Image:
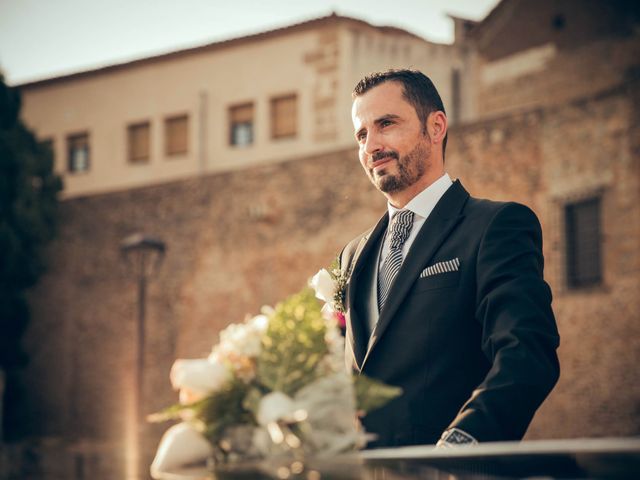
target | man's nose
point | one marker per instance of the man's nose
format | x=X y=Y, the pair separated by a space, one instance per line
x=373 y=144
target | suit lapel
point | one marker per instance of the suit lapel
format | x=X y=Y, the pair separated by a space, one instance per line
x=435 y=230
x=365 y=252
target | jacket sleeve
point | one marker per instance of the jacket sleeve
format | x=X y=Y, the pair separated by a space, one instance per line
x=519 y=332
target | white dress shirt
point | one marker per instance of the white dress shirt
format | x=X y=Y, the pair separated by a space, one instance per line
x=421 y=205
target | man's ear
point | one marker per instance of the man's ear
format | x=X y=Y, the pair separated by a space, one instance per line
x=437 y=126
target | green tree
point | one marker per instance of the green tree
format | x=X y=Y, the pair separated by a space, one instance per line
x=28 y=200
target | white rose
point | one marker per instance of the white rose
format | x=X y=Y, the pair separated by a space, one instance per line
x=275 y=406
x=324 y=285
x=181 y=445
x=197 y=378
x=259 y=323
x=242 y=339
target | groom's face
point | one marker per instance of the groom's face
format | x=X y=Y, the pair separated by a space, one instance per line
x=395 y=149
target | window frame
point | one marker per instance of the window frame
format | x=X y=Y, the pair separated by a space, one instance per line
x=233 y=124
x=130 y=129
x=168 y=121
x=583 y=270
x=71 y=161
x=274 y=100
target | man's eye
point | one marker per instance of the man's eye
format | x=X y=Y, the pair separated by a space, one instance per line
x=361 y=137
x=385 y=123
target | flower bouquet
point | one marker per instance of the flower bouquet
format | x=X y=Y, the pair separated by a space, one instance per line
x=275 y=386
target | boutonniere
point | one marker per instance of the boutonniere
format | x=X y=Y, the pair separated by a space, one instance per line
x=331 y=287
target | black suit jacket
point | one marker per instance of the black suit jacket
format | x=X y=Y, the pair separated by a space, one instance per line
x=473 y=348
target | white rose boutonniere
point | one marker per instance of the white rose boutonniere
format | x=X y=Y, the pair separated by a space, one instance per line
x=331 y=287
x=324 y=285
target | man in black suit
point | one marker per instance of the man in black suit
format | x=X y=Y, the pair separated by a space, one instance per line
x=446 y=297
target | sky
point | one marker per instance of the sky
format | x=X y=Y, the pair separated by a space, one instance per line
x=47 y=38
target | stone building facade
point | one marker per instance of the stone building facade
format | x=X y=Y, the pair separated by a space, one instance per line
x=530 y=53
x=265 y=98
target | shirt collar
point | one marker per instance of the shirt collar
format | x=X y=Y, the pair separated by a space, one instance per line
x=423 y=203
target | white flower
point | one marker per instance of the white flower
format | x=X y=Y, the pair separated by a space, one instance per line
x=275 y=406
x=181 y=445
x=267 y=310
x=197 y=378
x=333 y=361
x=324 y=285
x=330 y=402
x=260 y=323
x=243 y=339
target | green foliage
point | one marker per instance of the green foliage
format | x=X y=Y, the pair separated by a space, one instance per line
x=28 y=200
x=293 y=345
x=172 y=412
x=214 y=413
x=372 y=394
x=252 y=400
x=223 y=409
x=340 y=278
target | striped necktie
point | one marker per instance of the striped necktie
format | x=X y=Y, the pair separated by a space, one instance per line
x=400 y=229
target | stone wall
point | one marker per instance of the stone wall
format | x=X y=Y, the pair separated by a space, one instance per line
x=589 y=147
x=556 y=75
x=534 y=53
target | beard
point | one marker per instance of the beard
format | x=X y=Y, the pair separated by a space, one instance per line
x=410 y=168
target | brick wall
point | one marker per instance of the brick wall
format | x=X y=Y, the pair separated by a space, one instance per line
x=588 y=147
x=516 y=25
x=572 y=73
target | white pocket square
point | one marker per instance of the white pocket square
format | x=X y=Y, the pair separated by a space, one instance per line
x=452 y=265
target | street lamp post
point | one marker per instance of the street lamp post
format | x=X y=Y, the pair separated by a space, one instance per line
x=143 y=254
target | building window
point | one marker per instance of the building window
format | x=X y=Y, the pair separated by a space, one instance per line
x=176 y=135
x=139 y=136
x=241 y=124
x=284 y=116
x=78 y=150
x=583 y=243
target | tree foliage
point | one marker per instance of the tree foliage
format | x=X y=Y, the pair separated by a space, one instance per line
x=28 y=199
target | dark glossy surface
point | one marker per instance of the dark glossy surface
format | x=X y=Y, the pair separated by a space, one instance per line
x=575 y=459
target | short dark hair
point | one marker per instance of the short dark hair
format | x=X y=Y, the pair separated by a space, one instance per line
x=418 y=90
